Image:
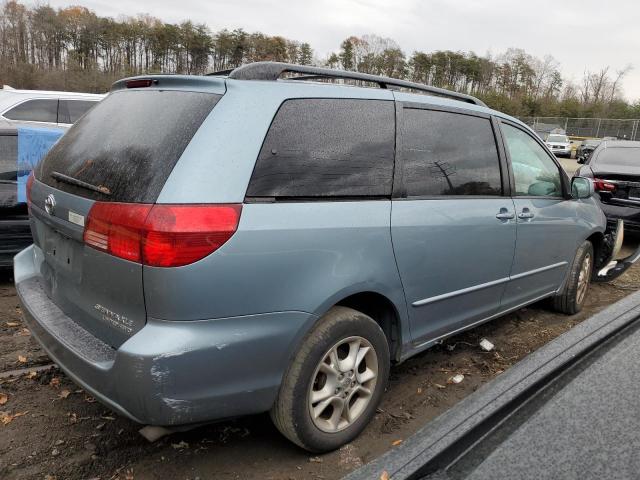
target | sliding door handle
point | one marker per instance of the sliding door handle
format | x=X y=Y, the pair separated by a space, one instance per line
x=505 y=214
x=525 y=214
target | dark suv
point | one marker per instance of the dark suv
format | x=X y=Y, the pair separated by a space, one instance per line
x=21 y=147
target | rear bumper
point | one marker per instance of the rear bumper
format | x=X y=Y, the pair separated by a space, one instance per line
x=629 y=214
x=15 y=235
x=561 y=151
x=168 y=373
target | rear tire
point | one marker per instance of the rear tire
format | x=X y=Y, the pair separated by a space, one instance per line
x=573 y=294
x=335 y=382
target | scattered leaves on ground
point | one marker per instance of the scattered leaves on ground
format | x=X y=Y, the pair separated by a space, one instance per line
x=22 y=359
x=395 y=443
x=7 y=418
x=3 y=398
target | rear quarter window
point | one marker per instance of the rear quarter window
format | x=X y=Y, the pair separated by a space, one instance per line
x=323 y=148
x=127 y=144
x=41 y=110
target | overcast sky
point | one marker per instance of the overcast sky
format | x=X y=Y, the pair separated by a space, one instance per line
x=586 y=34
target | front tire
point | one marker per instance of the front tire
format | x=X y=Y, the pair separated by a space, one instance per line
x=574 y=292
x=335 y=382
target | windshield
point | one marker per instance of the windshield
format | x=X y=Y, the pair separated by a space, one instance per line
x=124 y=148
x=558 y=138
x=623 y=156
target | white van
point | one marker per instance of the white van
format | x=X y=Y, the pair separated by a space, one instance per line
x=41 y=107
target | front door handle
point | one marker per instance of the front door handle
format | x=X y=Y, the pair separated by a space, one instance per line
x=525 y=214
x=504 y=214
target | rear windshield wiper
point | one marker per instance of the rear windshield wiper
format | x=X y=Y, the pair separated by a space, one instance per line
x=79 y=183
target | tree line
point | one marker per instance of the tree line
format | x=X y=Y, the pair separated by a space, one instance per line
x=75 y=49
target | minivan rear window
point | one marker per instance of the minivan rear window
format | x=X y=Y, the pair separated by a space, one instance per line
x=127 y=145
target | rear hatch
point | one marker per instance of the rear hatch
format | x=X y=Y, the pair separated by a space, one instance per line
x=120 y=153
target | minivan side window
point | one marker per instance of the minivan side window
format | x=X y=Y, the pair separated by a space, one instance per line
x=445 y=153
x=535 y=173
x=71 y=110
x=324 y=147
x=41 y=110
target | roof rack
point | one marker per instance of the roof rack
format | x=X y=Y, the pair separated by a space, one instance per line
x=220 y=72
x=274 y=70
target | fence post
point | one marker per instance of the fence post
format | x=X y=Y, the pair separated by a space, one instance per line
x=566 y=123
x=598 y=131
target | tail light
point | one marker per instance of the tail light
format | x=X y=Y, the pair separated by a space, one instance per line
x=160 y=235
x=29 y=185
x=603 y=185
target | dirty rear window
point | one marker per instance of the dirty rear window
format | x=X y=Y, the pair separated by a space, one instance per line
x=622 y=156
x=127 y=145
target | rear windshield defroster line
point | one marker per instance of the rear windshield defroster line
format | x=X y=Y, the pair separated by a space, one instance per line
x=128 y=144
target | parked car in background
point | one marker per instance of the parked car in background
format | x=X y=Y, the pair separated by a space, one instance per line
x=15 y=234
x=250 y=243
x=614 y=167
x=21 y=148
x=559 y=144
x=45 y=108
x=586 y=148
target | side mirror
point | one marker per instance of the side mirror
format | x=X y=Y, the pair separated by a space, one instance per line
x=581 y=159
x=581 y=187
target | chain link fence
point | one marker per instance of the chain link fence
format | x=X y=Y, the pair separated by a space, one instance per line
x=586 y=127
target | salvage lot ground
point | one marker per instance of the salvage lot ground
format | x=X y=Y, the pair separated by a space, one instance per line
x=49 y=428
x=63 y=433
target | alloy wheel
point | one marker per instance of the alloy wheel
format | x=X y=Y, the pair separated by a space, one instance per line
x=584 y=278
x=343 y=384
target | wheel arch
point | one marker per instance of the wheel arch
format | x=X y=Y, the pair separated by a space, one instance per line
x=383 y=311
x=597 y=240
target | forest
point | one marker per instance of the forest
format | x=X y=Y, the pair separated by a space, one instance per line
x=75 y=49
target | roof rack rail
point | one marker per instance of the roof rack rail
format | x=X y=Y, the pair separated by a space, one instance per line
x=220 y=72
x=274 y=70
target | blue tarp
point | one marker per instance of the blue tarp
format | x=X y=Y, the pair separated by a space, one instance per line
x=33 y=145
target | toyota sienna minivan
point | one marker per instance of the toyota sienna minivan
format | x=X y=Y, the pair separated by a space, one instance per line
x=261 y=241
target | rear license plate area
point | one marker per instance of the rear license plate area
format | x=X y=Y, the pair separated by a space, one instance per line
x=58 y=250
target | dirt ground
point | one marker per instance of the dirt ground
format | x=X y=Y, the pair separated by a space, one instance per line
x=51 y=429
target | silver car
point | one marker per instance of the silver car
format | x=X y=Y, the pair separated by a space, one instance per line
x=254 y=241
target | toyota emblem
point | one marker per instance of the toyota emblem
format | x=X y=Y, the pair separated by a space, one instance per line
x=50 y=204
